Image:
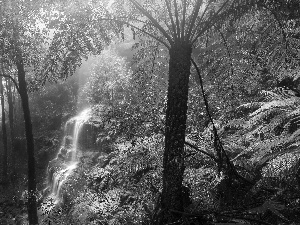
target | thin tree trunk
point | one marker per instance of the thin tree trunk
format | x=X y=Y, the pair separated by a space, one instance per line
x=176 y=115
x=4 y=135
x=11 y=122
x=32 y=205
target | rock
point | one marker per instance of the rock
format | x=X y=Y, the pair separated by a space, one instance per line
x=68 y=140
x=63 y=151
x=61 y=156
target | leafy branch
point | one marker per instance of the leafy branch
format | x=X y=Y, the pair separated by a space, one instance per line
x=139 y=29
x=12 y=79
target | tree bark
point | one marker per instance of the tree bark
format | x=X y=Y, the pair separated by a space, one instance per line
x=4 y=135
x=176 y=116
x=11 y=122
x=32 y=205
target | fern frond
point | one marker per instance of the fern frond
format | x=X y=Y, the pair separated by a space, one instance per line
x=252 y=106
x=285 y=92
x=294 y=120
x=265 y=116
x=293 y=137
x=295 y=112
x=279 y=93
x=273 y=126
x=295 y=145
x=270 y=95
x=235 y=124
x=287 y=104
x=271 y=110
x=276 y=148
x=233 y=146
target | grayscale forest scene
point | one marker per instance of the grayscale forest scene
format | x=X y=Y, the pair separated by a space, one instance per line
x=150 y=112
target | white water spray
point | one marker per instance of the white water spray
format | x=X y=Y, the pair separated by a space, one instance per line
x=68 y=154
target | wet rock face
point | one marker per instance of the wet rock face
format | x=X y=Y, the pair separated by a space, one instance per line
x=54 y=166
x=87 y=138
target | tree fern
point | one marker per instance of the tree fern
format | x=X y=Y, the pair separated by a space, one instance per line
x=263 y=145
x=271 y=131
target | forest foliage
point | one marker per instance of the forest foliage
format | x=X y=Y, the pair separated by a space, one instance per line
x=240 y=167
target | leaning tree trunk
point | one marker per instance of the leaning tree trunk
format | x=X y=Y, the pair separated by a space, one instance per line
x=176 y=115
x=4 y=135
x=32 y=205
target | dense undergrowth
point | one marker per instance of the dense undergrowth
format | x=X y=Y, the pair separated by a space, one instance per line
x=123 y=186
x=122 y=183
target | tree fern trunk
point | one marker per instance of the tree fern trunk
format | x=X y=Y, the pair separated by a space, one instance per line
x=173 y=162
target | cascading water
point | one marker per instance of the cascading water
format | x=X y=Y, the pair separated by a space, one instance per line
x=67 y=155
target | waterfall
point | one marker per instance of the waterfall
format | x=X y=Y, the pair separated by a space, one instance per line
x=67 y=155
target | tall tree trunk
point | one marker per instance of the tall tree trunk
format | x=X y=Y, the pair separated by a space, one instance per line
x=32 y=205
x=176 y=115
x=11 y=122
x=4 y=134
